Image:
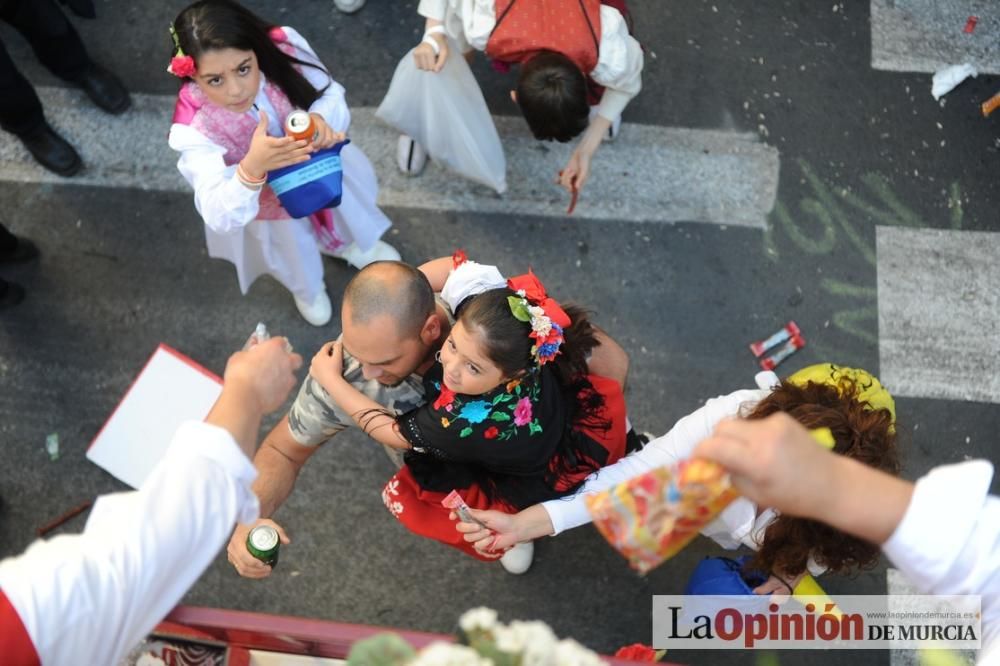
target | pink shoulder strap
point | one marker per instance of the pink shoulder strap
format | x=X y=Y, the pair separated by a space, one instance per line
x=186 y=105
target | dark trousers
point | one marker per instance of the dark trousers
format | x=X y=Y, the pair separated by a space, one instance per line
x=58 y=47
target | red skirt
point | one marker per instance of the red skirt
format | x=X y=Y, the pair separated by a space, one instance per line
x=421 y=512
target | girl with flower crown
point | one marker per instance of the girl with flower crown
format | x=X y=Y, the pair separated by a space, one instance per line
x=512 y=416
x=241 y=76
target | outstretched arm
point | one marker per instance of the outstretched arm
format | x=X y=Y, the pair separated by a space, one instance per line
x=327 y=368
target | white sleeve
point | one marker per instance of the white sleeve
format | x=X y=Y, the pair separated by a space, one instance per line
x=619 y=64
x=468 y=279
x=89 y=598
x=469 y=22
x=433 y=9
x=949 y=539
x=225 y=204
x=569 y=512
x=331 y=104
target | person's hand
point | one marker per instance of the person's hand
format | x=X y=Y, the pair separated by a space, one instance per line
x=426 y=59
x=774 y=462
x=328 y=364
x=326 y=136
x=246 y=564
x=780 y=588
x=499 y=535
x=268 y=153
x=577 y=170
x=266 y=372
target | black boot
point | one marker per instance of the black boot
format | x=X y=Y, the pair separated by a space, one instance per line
x=104 y=89
x=51 y=150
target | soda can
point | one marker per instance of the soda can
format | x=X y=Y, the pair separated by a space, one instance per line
x=263 y=543
x=300 y=126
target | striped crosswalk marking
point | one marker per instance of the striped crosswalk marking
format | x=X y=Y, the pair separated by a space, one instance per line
x=926 y=35
x=939 y=313
x=651 y=174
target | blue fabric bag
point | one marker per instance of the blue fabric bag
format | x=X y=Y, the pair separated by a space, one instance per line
x=723 y=576
x=310 y=186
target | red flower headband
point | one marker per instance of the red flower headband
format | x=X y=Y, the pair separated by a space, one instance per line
x=547 y=318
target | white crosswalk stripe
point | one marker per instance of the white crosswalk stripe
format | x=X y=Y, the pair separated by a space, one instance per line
x=926 y=35
x=650 y=174
x=939 y=313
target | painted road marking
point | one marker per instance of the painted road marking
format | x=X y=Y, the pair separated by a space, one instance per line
x=939 y=313
x=650 y=174
x=926 y=35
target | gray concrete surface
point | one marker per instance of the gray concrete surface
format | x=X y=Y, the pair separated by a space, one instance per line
x=650 y=174
x=927 y=35
x=939 y=313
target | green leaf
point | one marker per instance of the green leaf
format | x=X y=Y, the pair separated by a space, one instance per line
x=519 y=308
x=381 y=650
x=465 y=432
x=507 y=397
x=534 y=427
x=498 y=398
x=499 y=417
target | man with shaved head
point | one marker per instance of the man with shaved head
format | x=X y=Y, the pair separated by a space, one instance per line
x=392 y=326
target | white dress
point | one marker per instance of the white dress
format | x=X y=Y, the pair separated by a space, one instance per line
x=285 y=249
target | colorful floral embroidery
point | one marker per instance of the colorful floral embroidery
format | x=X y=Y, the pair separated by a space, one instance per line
x=522 y=412
x=508 y=408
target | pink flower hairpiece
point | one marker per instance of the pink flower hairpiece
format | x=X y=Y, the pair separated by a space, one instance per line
x=181 y=65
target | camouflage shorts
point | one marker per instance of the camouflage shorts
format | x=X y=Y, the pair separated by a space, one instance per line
x=314 y=417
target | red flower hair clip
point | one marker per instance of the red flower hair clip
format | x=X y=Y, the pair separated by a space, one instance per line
x=181 y=65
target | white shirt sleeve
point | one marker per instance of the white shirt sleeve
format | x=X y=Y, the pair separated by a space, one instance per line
x=89 y=598
x=949 y=540
x=568 y=512
x=225 y=204
x=469 y=22
x=619 y=64
x=331 y=104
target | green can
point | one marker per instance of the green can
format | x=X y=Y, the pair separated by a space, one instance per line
x=263 y=543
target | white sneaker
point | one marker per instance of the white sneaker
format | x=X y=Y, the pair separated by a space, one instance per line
x=349 y=6
x=354 y=255
x=518 y=559
x=318 y=312
x=410 y=156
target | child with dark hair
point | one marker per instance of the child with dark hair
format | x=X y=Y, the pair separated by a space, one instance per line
x=860 y=414
x=512 y=416
x=579 y=66
x=241 y=76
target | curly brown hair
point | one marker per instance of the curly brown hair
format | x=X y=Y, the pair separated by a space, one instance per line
x=860 y=432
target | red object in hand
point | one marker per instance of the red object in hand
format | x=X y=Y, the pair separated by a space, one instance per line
x=636 y=652
x=970 y=25
x=576 y=193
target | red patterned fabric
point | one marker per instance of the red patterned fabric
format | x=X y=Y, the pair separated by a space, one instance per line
x=421 y=512
x=15 y=643
x=525 y=27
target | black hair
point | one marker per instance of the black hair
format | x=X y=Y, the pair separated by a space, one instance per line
x=393 y=288
x=505 y=341
x=552 y=93
x=209 y=25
